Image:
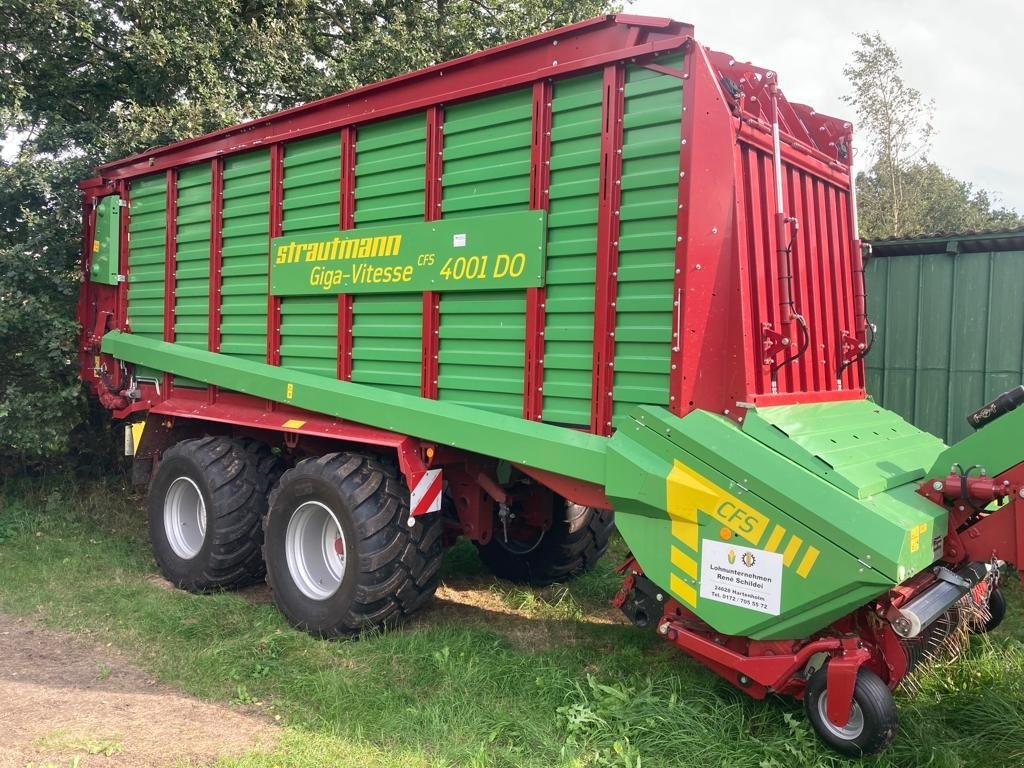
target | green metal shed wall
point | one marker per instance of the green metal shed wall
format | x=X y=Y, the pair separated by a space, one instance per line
x=950 y=334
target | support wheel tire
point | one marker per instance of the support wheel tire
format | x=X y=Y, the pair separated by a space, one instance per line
x=996 y=611
x=205 y=507
x=340 y=555
x=577 y=538
x=873 y=718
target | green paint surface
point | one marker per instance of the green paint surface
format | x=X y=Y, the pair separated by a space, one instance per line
x=311 y=203
x=486 y=170
x=246 y=228
x=855 y=444
x=192 y=262
x=387 y=328
x=106 y=245
x=147 y=232
x=572 y=247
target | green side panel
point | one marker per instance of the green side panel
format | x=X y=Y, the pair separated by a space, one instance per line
x=855 y=445
x=147 y=231
x=312 y=201
x=572 y=248
x=950 y=334
x=838 y=551
x=647 y=238
x=246 y=232
x=106 y=245
x=192 y=262
x=390 y=179
x=486 y=170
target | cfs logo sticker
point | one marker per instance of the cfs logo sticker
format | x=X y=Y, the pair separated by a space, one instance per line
x=746 y=522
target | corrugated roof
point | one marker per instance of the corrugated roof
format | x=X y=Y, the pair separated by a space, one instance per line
x=975 y=241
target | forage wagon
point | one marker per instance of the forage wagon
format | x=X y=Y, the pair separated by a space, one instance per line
x=602 y=268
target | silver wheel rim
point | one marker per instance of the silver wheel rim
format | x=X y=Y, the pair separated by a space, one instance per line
x=185 y=518
x=848 y=732
x=315 y=550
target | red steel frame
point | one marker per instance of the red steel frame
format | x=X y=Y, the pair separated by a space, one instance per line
x=346 y=220
x=606 y=276
x=724 y=294
x=276 y=210
x=216 y=258
x=430 y=345
x=170 y=261
x=540 y=174
x=585 y=45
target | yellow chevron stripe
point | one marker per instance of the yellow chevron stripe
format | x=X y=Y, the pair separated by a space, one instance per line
x=684 y=562
x=775 y=539
x=678 y=486
x=682 y=590
x=807 y=562
x=795 y=542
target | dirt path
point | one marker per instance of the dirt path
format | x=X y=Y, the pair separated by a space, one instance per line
x=62 y=699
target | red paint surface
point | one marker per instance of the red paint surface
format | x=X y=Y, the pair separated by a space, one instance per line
x=606 y=282
x=540 y=173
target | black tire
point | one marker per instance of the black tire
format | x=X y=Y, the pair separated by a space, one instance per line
x=577 y=538
x=873 y=703
x=996 y=611
x=390 y=570
x=232 y=479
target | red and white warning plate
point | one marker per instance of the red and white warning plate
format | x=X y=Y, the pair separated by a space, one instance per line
x=425 y=496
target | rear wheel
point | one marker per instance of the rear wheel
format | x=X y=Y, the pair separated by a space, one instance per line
x=873 y=718
x=205 y=507
x=525 y=553
x=340 y=554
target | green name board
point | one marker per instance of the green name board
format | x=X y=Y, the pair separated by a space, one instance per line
x=498 y=250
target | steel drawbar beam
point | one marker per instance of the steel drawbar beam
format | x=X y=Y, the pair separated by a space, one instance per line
x=568 y=452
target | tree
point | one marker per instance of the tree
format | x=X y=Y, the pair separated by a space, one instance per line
x=903 y=193
x=88 y=81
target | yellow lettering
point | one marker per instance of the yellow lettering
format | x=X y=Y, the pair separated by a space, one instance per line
x=282 y=255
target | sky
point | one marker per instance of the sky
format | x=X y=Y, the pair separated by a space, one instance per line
x=962 y=55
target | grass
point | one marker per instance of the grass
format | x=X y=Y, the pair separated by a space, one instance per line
x=462 y=692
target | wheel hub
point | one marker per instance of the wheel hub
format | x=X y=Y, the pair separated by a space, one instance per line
x=315 y=550
x=185 y=518
x=854 y=726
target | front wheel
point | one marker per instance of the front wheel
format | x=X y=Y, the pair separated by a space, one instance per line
x=873 y=718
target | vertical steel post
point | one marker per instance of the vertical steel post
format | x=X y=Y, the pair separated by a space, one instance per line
x=346 y=220
x=216 y=259
x=430 y=342
x=276 y=202
x=606 y=285
x=170 y=261
x=540 y=173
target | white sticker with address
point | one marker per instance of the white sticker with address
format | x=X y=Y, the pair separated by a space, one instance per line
x=459 y=240
x=738 y=575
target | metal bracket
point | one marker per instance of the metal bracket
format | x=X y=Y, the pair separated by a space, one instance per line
x=849 y=346
x=772 y=342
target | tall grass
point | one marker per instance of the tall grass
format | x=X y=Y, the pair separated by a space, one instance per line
x=451 y=691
